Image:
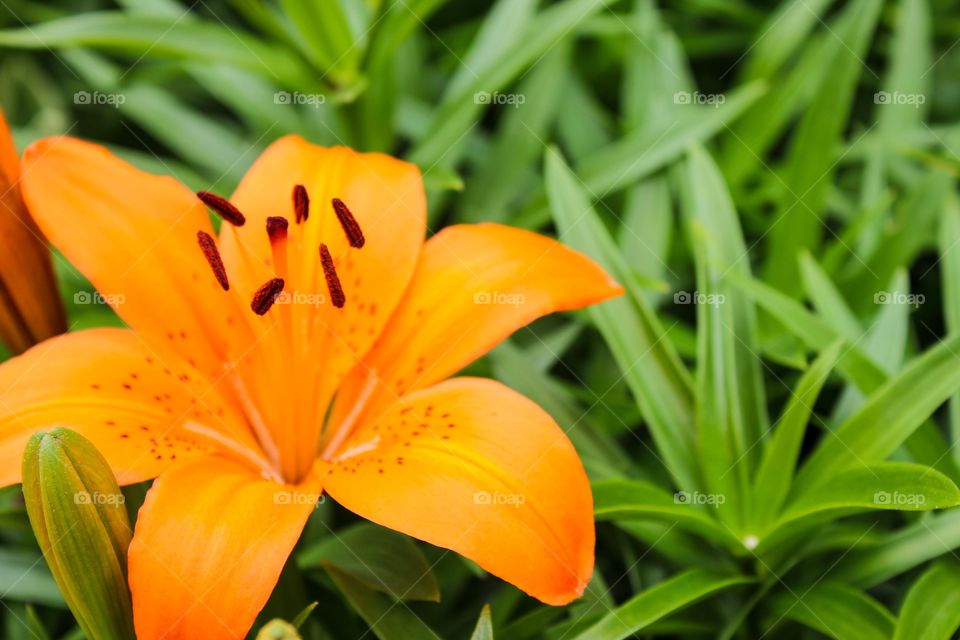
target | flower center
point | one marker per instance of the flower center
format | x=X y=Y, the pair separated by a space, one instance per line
x=288 y=444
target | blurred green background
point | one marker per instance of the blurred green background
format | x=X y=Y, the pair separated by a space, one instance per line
x=774 y=183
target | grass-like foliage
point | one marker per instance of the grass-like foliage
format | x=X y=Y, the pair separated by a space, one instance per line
x=768 y=416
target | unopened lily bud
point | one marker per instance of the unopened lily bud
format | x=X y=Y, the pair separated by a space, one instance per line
x=30 y=307
x=278 y=629
x=77 y=513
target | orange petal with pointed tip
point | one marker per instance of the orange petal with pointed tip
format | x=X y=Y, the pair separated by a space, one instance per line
x=472 y=466
x=134 y=235
x=30 y=307
x=387 y=199
x=474 y=286
x=109 y=386
x=208 y=548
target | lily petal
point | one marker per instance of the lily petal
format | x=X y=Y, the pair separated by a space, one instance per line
x=474 y=286
x=208 y=548
x=473 y=466
x=109 y=386
x=30 y=307
x=134 y=235
x=387 y=199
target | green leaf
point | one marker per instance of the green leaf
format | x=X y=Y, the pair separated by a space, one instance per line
x=659 y=601
x=484 y=628
x=457 y=114
x=620 y=500
x=160 y=37
x=388 y=619
x=931 y=610
x=652 y=369
x=949 y=247
x=731 y=411
x=301 y=617
x=890 y=485
x=24 y=577
x=773 y=479
x=781 y=34
x=827 y=299
x=809 y=161
x=326 y=37
x=647 y=150
x=836 y=610
x=926 y=444
x=381 y=559
x=502 y=172
x=929 y=537
x=890 y=416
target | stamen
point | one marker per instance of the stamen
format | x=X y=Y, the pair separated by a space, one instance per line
x=333 y=282
x=301 y=203
x=266 y=295
x=277 y=228
x=210 y=252
x=350 y=225
x=222 y=207
x=277 y=232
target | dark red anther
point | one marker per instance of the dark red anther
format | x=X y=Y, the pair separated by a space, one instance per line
x=210 y=252
x=222 y=207
x=266 y=295
x=277 y=228
x=350 y=225
x=333 y=282
x=301 y=203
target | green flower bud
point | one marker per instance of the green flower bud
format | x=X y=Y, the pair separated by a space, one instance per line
x=278 y=629
x=78 y=515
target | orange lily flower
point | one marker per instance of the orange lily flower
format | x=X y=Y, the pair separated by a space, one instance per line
x=30 y=307
x=306 y=349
